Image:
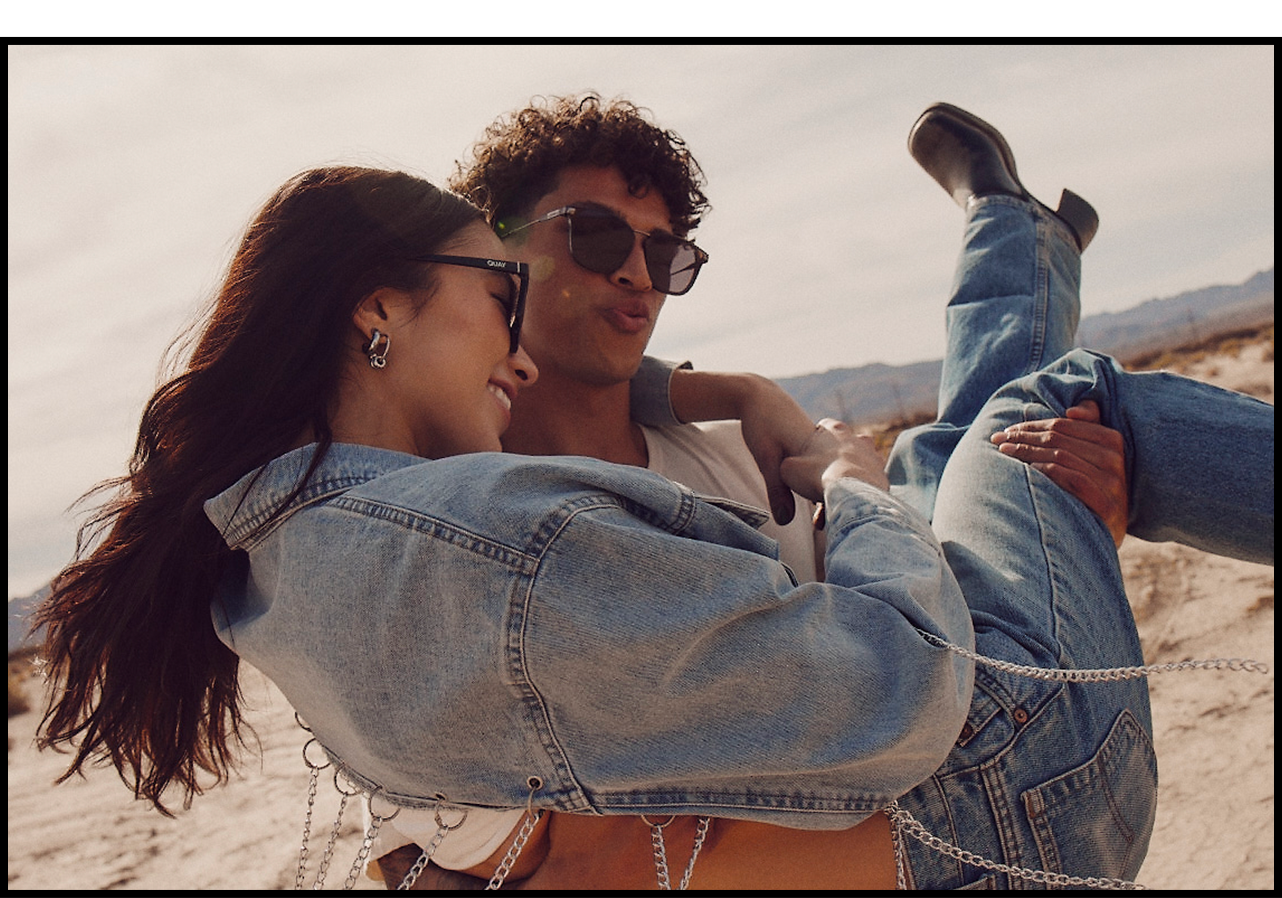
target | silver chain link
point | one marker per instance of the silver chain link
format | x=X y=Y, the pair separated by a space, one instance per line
x=897 y=846
x=420 y=865
x=307 y=827
x=661 y=853
x=315 y=769
x=376 y=822
x=705 y=823
x=901 y=819
x=509 y=859
x=1101 y=675
x=363 y=854
x=329 y=846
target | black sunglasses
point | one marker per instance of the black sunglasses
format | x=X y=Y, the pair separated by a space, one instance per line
x=601 y=241
x=515 y=304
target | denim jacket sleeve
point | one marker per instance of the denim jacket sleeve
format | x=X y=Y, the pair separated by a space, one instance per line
x=710 y=681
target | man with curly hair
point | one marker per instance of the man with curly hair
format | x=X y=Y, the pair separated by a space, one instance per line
x=600 y=201
x=562 y=182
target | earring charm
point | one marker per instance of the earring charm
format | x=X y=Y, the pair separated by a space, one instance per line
x=378 y=359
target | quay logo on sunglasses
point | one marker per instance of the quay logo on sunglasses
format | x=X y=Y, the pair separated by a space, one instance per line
x=601 y=241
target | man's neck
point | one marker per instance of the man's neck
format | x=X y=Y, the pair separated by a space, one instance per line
x=561 y=416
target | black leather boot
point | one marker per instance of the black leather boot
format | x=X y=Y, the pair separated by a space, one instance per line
x=969 y=157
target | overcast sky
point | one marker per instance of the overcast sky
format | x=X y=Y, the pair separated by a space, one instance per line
x=133 y=170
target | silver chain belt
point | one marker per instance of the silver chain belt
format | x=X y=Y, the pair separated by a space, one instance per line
x=902 y=823
x=661 y=853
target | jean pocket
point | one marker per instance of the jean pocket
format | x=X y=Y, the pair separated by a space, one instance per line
x=1096 y=819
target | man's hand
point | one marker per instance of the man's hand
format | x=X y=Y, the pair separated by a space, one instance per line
x=832 y=452
x=1084 y=457
x=774 y=428
x=774 y=425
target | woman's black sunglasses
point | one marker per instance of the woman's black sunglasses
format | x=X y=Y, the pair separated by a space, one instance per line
x=515 y=305
x=601 y=241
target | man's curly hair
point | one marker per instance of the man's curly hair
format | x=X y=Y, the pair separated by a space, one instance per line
x=521 y=156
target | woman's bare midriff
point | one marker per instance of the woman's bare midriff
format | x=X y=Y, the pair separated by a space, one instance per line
x=582 y=852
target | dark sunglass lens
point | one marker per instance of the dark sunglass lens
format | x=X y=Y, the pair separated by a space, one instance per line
x=519 y=287
x=600 y=242
x=672 y=264
x=513 y=290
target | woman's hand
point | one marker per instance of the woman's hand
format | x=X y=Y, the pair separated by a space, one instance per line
x=833 y=451
x=1083 y=456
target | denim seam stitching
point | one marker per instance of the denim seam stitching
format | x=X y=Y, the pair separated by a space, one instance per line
x=250 y=531
x=435 y=528
x=577 y=797
x=1052 y=581
x=1041 y=294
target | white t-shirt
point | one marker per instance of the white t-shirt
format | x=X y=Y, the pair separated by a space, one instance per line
x=710 y=459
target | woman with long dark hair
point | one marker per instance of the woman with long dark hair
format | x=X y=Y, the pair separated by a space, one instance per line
x=146 y=681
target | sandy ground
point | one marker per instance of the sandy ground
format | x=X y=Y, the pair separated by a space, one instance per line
x=1214 y=736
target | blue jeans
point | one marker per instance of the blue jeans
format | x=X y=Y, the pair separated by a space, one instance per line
x=1048 y=775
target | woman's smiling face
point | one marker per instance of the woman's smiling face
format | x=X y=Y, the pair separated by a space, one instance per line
x=450 y=376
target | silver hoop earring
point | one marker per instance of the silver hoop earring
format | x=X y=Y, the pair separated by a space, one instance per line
x=378 y=359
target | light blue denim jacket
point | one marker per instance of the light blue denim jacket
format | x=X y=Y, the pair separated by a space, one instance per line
x=469 y=626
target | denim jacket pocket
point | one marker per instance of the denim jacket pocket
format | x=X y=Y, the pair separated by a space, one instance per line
x=1116 y=791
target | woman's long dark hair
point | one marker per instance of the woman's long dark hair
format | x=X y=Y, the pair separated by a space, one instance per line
x=138 y=674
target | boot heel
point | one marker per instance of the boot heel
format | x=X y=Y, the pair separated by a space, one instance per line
x=1079 y=216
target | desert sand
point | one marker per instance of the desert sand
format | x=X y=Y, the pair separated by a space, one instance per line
x=1213 y=732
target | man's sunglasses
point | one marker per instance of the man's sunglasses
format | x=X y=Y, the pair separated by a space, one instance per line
x=515 y=303
x=601 y=241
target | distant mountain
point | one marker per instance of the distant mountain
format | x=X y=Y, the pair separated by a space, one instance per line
x=868 y=393
x=874 y=393
x=20 y=618
x=1188 y=317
